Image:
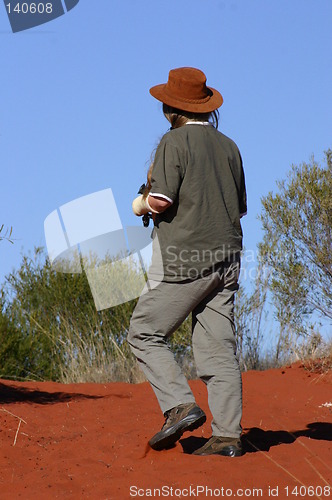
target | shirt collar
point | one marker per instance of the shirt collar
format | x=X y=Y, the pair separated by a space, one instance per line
x=194 y=122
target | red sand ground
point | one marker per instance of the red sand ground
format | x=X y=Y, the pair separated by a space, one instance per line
x=90 y=441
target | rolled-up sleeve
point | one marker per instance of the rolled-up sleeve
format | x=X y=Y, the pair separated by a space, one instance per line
x=166 y=175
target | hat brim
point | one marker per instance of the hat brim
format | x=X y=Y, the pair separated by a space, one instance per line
x=206 y=106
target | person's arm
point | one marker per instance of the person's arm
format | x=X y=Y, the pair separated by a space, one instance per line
x=242 y=190
x=158 y=204
x=153 y=204
x=166 y=179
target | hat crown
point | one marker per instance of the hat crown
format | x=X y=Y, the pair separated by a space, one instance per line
x=188 y=83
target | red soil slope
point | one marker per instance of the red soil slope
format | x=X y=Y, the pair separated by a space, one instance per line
x=90 y=441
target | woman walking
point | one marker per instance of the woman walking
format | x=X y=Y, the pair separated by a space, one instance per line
x=196 y=193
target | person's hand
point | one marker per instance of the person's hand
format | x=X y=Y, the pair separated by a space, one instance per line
x=140 y=206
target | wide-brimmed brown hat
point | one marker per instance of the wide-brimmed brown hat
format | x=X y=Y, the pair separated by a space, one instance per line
x=186 y=90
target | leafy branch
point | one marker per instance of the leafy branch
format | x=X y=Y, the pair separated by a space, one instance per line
x=7 y=234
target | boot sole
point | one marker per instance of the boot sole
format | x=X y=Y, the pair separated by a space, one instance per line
x=165 y=439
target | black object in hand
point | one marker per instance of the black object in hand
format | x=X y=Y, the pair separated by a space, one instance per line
x=146 y=217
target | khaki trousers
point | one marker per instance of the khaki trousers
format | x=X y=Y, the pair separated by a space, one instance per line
x=160 y=311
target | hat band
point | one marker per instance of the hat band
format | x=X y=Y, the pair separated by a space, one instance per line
x=184 y=99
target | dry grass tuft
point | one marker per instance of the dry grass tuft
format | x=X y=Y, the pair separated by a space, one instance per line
x=321 y=361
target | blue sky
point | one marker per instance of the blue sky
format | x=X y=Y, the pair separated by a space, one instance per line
x=77 y=117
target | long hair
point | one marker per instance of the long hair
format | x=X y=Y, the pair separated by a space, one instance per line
x=178 y=118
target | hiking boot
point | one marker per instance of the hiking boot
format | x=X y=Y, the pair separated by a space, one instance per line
x=219 y=445
x=185 y=417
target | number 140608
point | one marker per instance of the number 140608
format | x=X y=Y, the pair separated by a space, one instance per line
x=308 y=491
x=30 y=8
